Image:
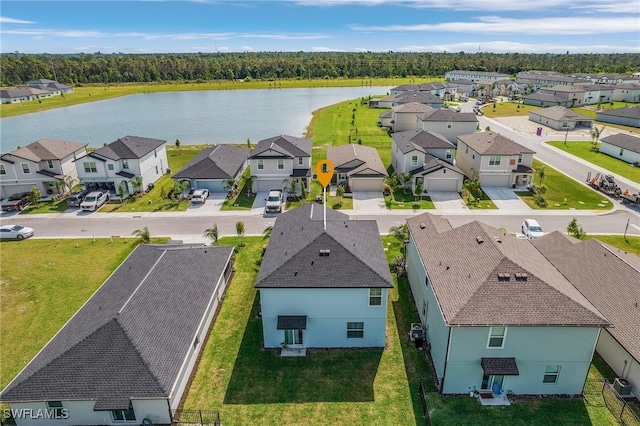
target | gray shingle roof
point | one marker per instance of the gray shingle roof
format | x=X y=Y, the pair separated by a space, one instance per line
x=131 y=337
x=446 y=115
x=492 y=143
x=421 y=140
x=356 y=159
x=292 y=259
x=47 y=149
x=129 y=147
x=560 y=113
x=464 y=264
x=622 y=140
x=283 y=146
x=626 y=112
x=410 y=108
x=216 y=162
x=544 y=97
x=433 y=164
x=605 y=277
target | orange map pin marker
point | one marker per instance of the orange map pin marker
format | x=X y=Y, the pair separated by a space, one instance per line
x=324 y=176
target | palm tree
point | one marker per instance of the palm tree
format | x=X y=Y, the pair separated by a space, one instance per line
x=212 y=234
x=228 y=184
x=122 y=188
x=541 y=171
x=70 y=182
x=267 y=231
x=143 y=235
x=59 y=186
x=595 y=136
x=401 y=232
x=240 y=232
x=340 y=192
x=472 y=187
x=418 y=190
x=137 y=183
x=249 y=183
x=406 y=182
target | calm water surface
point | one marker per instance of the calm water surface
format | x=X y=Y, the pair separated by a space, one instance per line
x=201 y=117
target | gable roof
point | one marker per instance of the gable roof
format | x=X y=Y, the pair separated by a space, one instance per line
x=283 y=146
x=129 y=148
x=446 y=115
x=464 y=266
x=605 y=276
x=544 y=97
x=433 y=164
x=421 y=140
x=18 y=92
x=410 y=107
x=292 y=259
x=354 y=159
x=130 y=339
x=558 y=113
x=492 y=143
x=626 y=112
x=216 y=162
x=47 y=149
x=623 y=140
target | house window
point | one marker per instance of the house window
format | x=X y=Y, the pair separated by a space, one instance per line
x=551 y=374
x=448 y=125
x=125 y=164
x=3 y=171
x=25 y=168
x=375 y=297
x=494 y=160
x=90 y=167
x=300 y=161
x=280 y=164
x=466 y=149
x=519 y=158
x=156 y=169
x=110 y=166
x=448 y=154
x=496 y=337
x=260 y=164
x=414 y=160
x=124 y=415
x=355 y=330
x=56 y=409
x=196 y=343
x=50 y=164
x=565 y=124
x=621 y=151
x=155 y=153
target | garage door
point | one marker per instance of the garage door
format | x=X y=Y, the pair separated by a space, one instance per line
x=434 y=185
x=211 y=185
x=495 y=180
x=9 y=190
x=366 y=184
x=266 y=185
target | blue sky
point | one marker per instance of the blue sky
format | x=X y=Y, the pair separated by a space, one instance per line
x=524 y=26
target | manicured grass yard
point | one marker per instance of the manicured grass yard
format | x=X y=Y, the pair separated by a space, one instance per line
x=482 y=203
x=399 y=200
x=507 y=109
x=565 y=193
x=604 y=161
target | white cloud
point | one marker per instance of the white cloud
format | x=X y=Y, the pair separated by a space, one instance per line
x=324 y=49
x=286 y=36
x=500 y=46
x=5 y=20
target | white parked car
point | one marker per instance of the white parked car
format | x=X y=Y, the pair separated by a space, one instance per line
x=94 y=200
x=15 y=232
x=532 y=229
x=200 y=196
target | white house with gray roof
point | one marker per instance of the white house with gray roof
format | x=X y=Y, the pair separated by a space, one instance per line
x=494 y=159
x=212 y=167
x=358 y=167
x=323 y=286
x=474 y=75
x=278 y=158
x=405 y=116
x=623 y=146
x=447 y=123
x=499 y=317
x=560 y=118
x=129 y=157
x=627 y=116
x=608 y=277
x=127 y=354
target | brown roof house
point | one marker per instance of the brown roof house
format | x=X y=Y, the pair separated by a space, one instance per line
x=499 y=317
x=358 y=167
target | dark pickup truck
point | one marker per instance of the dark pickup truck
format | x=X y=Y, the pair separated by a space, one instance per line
x=16 y=202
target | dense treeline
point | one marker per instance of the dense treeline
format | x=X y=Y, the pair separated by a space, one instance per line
x=99 y=68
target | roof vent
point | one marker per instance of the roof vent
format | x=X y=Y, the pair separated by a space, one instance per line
x=480 y=240
x=422 y=225
x=521 y=276
x=504 y=277
x=325 y=252
x=497 y=239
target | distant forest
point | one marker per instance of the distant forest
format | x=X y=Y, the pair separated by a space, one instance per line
x=77 y=69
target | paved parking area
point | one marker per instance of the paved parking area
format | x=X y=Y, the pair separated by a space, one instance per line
x=449 y=201
x=213 y=204
x=506 y=199
x=369 y=202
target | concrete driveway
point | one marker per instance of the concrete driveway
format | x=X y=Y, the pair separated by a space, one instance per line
x=369 y=202
x=506 y=199
x=449 y=201
x=213 y=204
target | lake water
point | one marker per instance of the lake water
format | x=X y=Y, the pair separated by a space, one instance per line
x=199 y=117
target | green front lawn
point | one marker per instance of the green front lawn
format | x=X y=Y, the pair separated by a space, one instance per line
x=565 y=193
x=399 y=200
x=46 y=207
x=507 y=109
x=475 y=203
x=583 y=150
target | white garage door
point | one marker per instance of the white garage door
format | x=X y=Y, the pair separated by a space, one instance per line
x=266 y=185
x=366 y=184
x=495 y=180
x=211 y=185
x=434 y=185
x=9 y=190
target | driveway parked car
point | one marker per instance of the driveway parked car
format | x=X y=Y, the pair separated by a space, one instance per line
x=199 y=196
x=532 y=229
x=15 y=232
x=94 y=200
x=275 y=201
x=75 y=199
x=16 y=202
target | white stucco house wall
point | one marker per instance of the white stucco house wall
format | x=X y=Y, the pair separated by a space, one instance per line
x=404 y=116
x=622 y=146
x=323 y=287
x=448 y=123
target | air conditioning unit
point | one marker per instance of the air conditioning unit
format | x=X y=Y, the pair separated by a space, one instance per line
x=168 y=171
x=622 y=387
x=417 y=331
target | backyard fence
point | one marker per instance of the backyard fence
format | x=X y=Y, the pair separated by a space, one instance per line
x=600 y=392
x=423 y=400
x=195 y=418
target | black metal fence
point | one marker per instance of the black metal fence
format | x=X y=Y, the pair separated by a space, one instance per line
x=423 y=400
x=195 y=417
x=600 y=392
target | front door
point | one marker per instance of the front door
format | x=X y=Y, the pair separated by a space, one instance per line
x=488 y=381
x=293 y=337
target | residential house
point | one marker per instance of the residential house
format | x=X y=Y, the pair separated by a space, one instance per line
x=545 y=100
x=404 y=116
x=213 y=168
x=463 y=87
x=629 y=92
x=447 y=123
x=473 y=75
x=276 y=159
x=536 y=79
x=126 y=355
x=560 y=118
x=494 y=159
x=596 y=93
x=40 y=164
x=499 y=317
x=50 y=85
x=22 y=94
x=323 y=282
x=576 y=95
x=114 y=166
x=358 y=167
x=627 y=116
x=625 y=147
x=385 y=119
x=442 y=90
x=406 y=97
x=608 y=277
